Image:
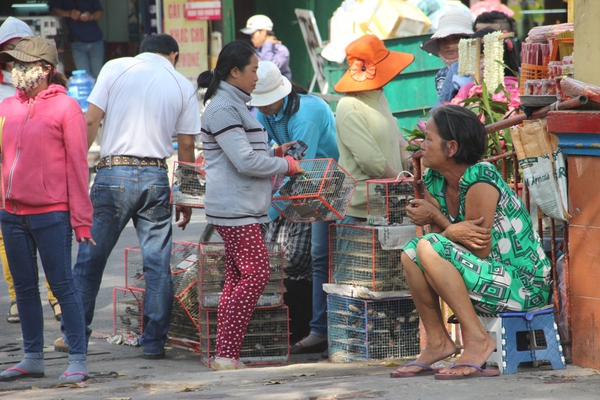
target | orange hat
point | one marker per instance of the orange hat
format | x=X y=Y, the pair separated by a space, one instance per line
x=371 y=65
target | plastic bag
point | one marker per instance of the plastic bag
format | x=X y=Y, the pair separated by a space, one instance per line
x=543 y=166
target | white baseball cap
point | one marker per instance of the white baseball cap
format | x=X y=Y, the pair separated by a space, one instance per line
x=256 y=23
x=271 y=85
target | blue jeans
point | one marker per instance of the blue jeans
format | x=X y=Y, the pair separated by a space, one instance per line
x=320 y=264
x=51 y=235
x=88 y=56
x=141 y=194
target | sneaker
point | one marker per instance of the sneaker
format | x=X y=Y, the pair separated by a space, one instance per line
x=225 y=364
x=154 y=356
x=60 y=345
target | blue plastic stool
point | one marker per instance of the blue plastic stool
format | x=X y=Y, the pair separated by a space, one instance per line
x=524 y=337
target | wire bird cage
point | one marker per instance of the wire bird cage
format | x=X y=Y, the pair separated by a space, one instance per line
x=323 y=193
x=128 y=311
x=184 y=274
x=183 y=255
x=357 y=258
x=189 y=184
x=266 y=340
x=387 y=200
x=361 y=330
x=211 y=275
x=185 y=326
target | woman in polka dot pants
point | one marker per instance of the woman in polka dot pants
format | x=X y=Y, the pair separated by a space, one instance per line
x=239 y=166
x=246 y=275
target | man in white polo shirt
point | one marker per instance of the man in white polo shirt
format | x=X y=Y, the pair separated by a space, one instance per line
x=144 y=103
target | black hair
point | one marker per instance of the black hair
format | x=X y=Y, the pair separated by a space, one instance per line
x=54 y=76
x=236 y=54
x=293 y=104
x=511 y=57
x=463 y=126
x=160 y=43
x=504 y=22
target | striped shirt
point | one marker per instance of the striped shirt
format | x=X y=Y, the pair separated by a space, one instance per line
x=239 y=163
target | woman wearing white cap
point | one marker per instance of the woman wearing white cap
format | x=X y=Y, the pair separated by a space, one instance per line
x=268 y=48
x=454 y=25
x=290 y=114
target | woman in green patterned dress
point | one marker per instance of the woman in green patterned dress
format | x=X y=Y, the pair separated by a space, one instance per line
x=483 y=255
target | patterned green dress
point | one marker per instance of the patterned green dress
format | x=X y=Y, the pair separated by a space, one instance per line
x=516 y=274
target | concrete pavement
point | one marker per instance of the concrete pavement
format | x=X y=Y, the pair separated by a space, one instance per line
x=119 y=372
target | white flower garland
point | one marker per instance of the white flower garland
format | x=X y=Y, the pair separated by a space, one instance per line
x=493 y=70
x=467 y=52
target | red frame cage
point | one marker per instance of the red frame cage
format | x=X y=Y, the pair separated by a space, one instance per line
x=322 y=193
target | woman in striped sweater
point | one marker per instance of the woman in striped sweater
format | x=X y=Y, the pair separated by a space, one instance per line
x=239 y=166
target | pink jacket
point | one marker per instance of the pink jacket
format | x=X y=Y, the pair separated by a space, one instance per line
x=44 y=157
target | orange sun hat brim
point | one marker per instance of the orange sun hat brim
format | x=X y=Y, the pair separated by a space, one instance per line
x=371 y=65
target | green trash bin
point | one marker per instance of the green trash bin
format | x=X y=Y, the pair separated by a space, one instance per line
x=411 y=93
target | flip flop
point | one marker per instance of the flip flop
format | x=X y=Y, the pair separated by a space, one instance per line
x=480 y=373
x=427 y=370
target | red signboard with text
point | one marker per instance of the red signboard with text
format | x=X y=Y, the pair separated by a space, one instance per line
x=202 y=10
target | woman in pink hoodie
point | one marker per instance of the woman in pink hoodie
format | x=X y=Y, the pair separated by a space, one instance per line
x=45 y=175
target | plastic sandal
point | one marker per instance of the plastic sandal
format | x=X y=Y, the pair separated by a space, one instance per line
x=56 y=309
x=13 y=313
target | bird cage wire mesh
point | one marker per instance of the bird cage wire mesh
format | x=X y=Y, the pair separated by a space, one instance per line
x=128 y=311
x=357 y=258
x=360 y=330
x=211 y=277
x=387 y=200
x=266 y=340
x=181 y=252
x=322 y=193
x=184 y=274
x=189 y=184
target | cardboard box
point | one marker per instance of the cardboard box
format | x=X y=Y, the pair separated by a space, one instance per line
x=397 y=18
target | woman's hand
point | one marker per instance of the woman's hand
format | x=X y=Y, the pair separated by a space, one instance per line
x=470 y=234
x=282 y=150
x=421 y=212
x=88 y=241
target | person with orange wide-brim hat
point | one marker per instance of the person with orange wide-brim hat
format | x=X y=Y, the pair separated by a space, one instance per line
x=370 y=143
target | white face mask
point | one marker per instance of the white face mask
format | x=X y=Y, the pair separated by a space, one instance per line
x=27 y=77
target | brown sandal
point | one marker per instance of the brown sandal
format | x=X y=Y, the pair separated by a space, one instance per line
x=56 y=309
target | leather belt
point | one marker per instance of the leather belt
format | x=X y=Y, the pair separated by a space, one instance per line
x=130 y=161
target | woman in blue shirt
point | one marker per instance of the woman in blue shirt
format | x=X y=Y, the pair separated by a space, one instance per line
x=290 y=114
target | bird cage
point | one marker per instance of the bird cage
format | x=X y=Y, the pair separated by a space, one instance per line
x=357 y=258
x=184 y=330
x=189 y=184
x=387 y=200
x=322 y=193
x=212 y=275
x=128 y=312
x=359 y=330
x=266 y=340
x=181 y=252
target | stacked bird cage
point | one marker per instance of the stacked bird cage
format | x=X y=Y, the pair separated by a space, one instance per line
x=184 y=270
x=387 y=200
x=128 y=311
x=322 y=193
x=189 y=184
x=266 y=340
x=267 y=337
x=357 y=258
x=360 y=330
x=211 y=277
